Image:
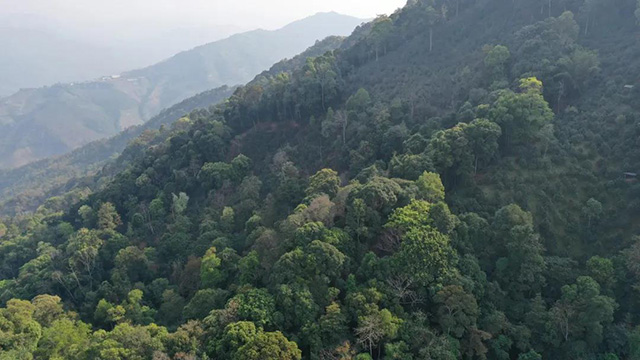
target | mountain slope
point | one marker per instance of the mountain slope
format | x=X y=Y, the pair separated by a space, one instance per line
x=330 y=212
x=38 y=123
x=25 y=188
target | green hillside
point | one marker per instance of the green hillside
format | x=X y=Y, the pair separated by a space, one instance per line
x=25 y=188
x=448 y=184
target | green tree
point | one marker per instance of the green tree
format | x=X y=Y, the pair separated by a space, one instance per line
x=20 y=332
x=520 y=269
x=430 y=187
x=108 y=218
x=382 y=27
x=243 y=340
x=482 y=136
x=582 y=313
x=48 y=309
x=65 y=339
x=325 y=181
x=496 y=61
x=256 y=305
x=210 y=272
x=592 y=211
x=521 y=115
x=379 y=325
x=602 y=270
x=268 y=346
x=83 y=248
x=457 y=310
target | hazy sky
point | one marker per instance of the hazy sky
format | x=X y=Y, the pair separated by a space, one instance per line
x=246 y=14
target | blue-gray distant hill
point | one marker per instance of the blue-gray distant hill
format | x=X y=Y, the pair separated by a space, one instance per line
x=43 y=122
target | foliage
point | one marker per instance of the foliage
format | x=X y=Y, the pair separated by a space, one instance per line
x=387 y=200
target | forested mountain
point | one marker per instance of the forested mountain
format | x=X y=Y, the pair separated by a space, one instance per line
x=25 y=188
x=42 y=122
x=69 y=176
x=448 y=184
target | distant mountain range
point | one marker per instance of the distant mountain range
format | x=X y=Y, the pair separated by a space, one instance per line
x=43 y=122
x=40 y=51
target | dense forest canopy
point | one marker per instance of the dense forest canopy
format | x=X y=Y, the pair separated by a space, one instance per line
x=448 y=184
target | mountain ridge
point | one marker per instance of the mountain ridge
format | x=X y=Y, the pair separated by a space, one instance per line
x=102 y=108
x=24 y=188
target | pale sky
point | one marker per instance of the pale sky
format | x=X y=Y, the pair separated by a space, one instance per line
x=245 y=14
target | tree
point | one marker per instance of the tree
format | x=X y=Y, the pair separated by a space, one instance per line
x=521 y=266
x=243 y=340
x=87 y=215
x=335 y=124
x=210 y=272
x=82 y=249
x=521 y=115
x=135 y=311
x=325 y=181
x=170 y=311
x=249 y=268
x=634 y=343
x=433 y=17
x=496 y=61
x=450 y=152
x=587 y=9
x=483 y=138
x=382 y=27
x=179 y=204
x=530 y=355
x=425 y=254
x=380 y=193
x=333 y=325
x=430 y=187
x=581 y=65
x=268 y=346
x=65 y=339
x=375 y=327
x=48 y=308
x=602 y=270
x=256 y=305
x=358 y=103
x=592 y=211
x=108 y=218
x=128 y=341
x=582 y=313
x=240 y=167
x=457 y=310
x=227 y=219
x=21 y=332
x=213 y=175
x=321 y=73
x=204 y=301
